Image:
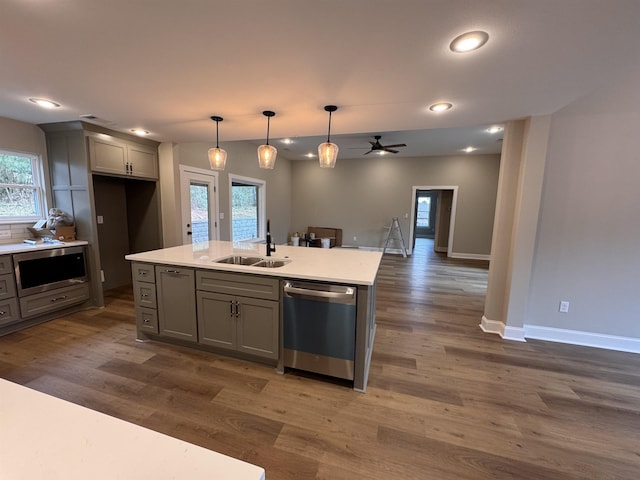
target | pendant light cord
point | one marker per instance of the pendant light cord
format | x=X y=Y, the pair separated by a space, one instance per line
x=268 y=123
x=217 y=134
x=329 y=133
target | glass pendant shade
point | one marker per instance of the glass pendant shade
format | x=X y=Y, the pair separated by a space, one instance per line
x=217 y=158
x=327 y=154
x=327 y=151
x=267 y=153
x=267 y=156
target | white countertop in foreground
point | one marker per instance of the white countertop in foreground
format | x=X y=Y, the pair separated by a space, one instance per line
x=27 y=247
x=45 y=437
x=339 y=265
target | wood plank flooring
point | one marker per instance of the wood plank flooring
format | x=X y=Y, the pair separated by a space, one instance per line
x=445 y=401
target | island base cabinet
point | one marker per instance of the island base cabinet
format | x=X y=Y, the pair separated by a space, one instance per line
x=176 y=302
x=216 y=320
x=247 y=325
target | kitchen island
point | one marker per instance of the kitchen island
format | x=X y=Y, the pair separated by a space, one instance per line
x=185 y=294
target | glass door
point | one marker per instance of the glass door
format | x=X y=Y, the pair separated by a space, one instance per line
x=199 y=205
x=426 y=201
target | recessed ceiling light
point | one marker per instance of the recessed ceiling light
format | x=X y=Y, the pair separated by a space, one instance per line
x=469 y=41
x=440 y=107
x=287 y=141
x=309 y=155
x=44 y=103
x=140 y=132
x=469 y=149
x=494 y=129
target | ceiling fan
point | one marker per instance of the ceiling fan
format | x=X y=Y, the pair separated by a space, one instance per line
x=378 y=147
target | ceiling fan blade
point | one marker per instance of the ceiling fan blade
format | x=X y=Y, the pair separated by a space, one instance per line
x=373 y=144
x=396 y=145
x=389 y=150
x=367 y=153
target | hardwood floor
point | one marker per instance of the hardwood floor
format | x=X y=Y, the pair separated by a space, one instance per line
x=444 y=401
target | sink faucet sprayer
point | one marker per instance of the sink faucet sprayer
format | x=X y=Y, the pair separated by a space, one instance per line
x=271 y=247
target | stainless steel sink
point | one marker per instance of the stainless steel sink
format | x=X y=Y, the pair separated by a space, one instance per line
x=253 y=261
x=239 y=260
x=267 y=263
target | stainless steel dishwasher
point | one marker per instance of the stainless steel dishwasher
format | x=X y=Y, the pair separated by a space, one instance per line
x=319 y=328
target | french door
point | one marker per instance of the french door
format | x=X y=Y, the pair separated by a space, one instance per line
x=199 y=198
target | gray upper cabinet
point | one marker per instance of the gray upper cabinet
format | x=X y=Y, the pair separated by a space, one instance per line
x=120 y=157
x=176 y=300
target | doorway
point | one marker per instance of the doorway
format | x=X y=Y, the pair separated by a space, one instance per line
x=433 y=213
x=425 y=222
x=199 y=198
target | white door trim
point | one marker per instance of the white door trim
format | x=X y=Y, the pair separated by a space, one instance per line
x=452 y=224
x=187 y=173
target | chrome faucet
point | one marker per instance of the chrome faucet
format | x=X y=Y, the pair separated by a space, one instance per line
x=271 y=247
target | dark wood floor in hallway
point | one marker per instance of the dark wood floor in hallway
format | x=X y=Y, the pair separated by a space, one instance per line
x=445 y=401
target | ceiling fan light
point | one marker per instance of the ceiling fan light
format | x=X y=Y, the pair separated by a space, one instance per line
x=217 y=158
x=440 y=107
x=267 y=156
x=327 y=154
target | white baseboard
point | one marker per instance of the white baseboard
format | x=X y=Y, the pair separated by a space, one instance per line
x=499 y=328
x=587 y=339
x=470 y=256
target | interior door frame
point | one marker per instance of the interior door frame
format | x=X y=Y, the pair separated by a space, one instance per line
x=452 y=223
x=187 y=173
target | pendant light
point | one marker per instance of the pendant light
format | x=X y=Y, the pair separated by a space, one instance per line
x=327 y=151
x=217 y=156
x=267 y=153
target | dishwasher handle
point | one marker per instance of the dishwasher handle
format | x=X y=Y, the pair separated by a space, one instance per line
x=348 y=294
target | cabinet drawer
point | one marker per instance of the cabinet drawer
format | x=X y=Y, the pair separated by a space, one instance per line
x=7 y=286
x=143 y=272
x=42 y=303
x=9 y=312
x=5 y=264
x=147 y=319
x=241 y=284
x=144 y=294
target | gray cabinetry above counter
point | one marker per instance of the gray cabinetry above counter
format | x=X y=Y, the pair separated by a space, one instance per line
x=121 y=157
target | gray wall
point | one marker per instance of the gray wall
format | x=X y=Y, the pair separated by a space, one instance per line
x=361 y=196
x=589 y=230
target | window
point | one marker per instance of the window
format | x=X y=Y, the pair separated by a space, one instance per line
x=21 y=187
x=247 y=209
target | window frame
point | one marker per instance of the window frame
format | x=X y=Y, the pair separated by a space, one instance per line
x=37 y=170
x=262 y=210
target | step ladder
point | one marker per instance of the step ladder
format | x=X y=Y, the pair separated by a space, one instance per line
x=393 y=234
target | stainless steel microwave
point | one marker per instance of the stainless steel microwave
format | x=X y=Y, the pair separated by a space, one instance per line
x=44 y=270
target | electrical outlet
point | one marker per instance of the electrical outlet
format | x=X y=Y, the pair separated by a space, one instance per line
x=102 y=276
x=5 y=233
x=355 y=239
x=564 y=306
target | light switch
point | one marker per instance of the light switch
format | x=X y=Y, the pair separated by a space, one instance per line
x=221 y=215
x=100 y=220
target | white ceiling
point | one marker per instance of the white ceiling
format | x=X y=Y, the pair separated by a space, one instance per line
x=168 y=65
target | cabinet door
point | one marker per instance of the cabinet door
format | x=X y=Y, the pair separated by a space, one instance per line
x=107 y=156
x=217 y=320
x=143 y=161
x=176 y=299
x=258 y=327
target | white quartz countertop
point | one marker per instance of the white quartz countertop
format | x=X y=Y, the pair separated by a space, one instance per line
x=27 y=247
x=338 y=265
x=45 y=437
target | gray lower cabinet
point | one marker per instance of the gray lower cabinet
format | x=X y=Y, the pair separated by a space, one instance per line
x=9 y=311
x=176 y=300
x=41 y=303
x=239 y=322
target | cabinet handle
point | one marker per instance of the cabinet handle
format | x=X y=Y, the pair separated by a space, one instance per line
x=3 y=313
x=172 y=271
x=144 y=295
x=142 y=273
x=146 y=320
x=231 y=308
x=237 y=309
x=63 y=297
